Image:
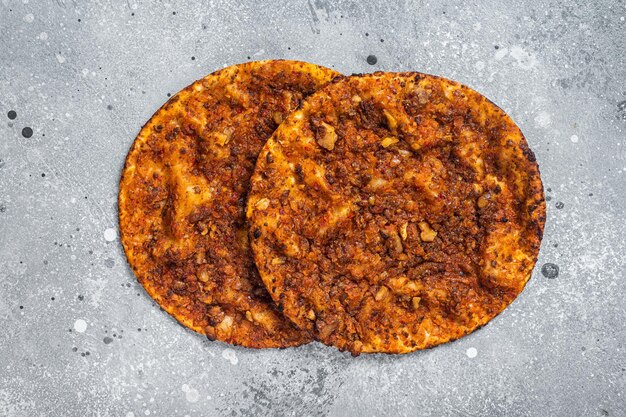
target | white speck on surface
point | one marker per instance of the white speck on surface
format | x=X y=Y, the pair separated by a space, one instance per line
x=501 y=53
x=191 y=394
x=471 y=352
x=147 y=412
x=543 y=119
x=477 y=26
x=80 y=325
x=110 y=234
x=230 y=355
x=60 y=58
x=524 y=59
x=43 y=36
x=480 y=65
x=574 y=138
x=130 y=414
x=29 y=18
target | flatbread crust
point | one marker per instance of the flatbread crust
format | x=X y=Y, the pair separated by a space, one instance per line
x=182 y=200
x=394 y=212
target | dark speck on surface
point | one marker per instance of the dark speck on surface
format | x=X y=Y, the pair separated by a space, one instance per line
x=27 y=132
x=621 y=106
x=372 y=60
x=559 y=205
x=550 y=270
x=548 y=198
x=12 y=114
x=81 y=297
x=107 y=340
x=110 y=107
x=109 y=262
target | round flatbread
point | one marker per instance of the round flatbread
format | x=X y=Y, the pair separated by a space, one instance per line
x=394 y=212
x=182 y=200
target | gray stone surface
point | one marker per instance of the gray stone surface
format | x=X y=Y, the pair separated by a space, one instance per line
x=80 y=337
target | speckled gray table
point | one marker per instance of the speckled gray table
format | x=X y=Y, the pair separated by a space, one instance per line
x=80 y=337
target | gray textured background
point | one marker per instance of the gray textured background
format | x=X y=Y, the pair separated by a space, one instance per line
x=80 y=337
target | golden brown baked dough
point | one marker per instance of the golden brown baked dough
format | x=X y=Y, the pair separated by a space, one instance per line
x=182 y=200
x=395 y=212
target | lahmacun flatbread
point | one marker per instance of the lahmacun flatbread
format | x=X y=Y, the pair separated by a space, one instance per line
x=394 y=212
x=182 y=200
